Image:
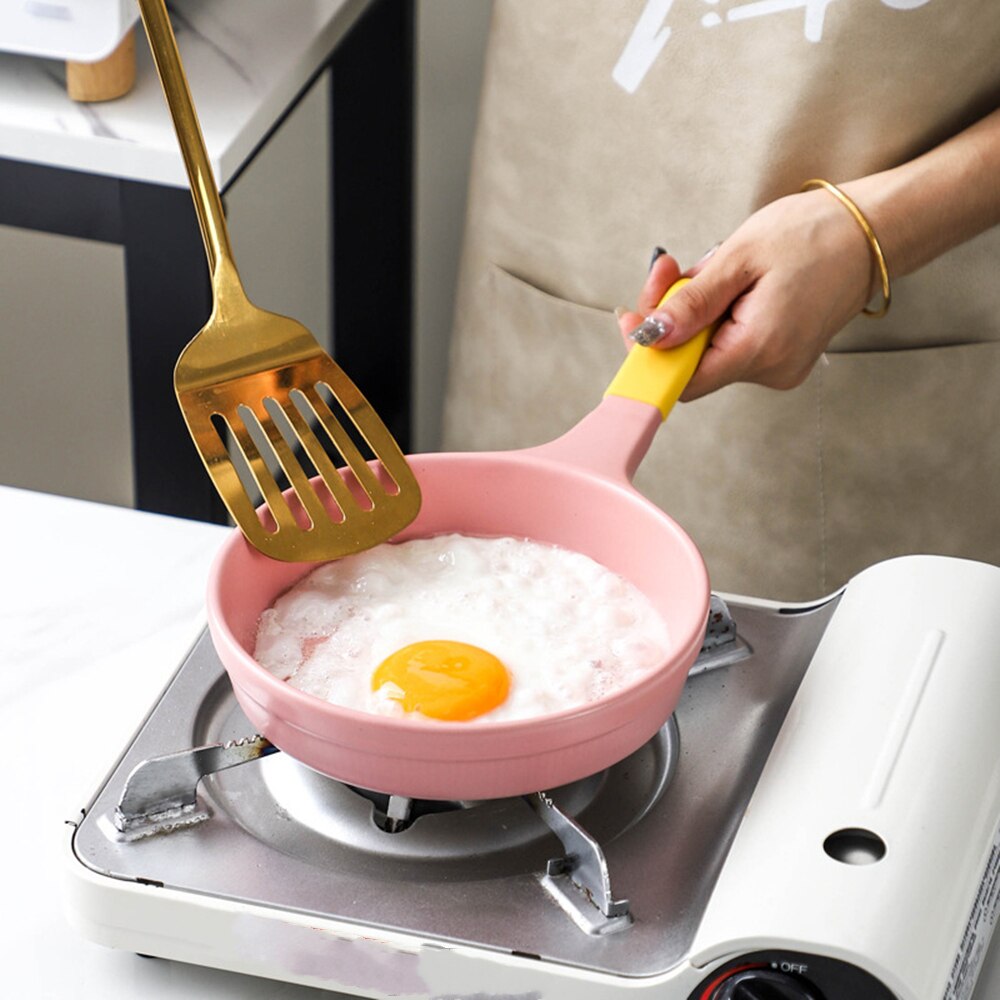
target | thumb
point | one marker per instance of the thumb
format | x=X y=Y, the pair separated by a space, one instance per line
x=697 y=304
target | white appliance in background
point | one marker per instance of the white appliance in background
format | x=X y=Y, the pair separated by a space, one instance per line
x=75 y=30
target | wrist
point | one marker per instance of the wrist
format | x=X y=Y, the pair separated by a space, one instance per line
x=879 y=295
x=878 y=197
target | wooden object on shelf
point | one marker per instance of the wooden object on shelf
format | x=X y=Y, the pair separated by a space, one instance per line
x=105 y=79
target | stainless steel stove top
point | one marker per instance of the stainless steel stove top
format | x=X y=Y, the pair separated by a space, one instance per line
x=282 y=836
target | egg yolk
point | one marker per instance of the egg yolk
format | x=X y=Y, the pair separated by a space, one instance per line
x=444 y=679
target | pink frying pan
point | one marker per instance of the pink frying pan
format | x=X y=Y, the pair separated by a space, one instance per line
x=574 y=492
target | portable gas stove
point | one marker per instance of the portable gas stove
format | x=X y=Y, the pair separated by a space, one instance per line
x=819 y=821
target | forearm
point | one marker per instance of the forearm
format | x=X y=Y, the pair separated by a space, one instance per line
x=927 y=206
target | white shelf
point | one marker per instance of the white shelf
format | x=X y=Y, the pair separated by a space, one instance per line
x=246 y=60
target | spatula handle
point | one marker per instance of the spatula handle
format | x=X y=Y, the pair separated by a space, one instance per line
x=658 y=377
x=204 y=191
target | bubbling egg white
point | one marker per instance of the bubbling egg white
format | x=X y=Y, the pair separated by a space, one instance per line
x=567 y=630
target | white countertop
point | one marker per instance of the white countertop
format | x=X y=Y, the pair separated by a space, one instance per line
x=99 y=605
x=245 y=59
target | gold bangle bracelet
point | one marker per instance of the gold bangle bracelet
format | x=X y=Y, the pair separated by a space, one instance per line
x=873 y=242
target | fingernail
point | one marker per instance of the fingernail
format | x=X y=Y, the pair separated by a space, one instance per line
x=708 y=253
x=650 y=331
x=620 y=311
x=658 y=252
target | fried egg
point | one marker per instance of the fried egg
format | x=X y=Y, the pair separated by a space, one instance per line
x=460 y=628
x=443 y=679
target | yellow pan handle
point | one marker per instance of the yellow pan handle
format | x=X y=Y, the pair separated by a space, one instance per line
x=658 y=377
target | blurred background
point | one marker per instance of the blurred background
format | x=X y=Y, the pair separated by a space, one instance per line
x=65 y=426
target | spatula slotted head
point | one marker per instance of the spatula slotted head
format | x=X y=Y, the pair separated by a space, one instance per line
x=266 y=407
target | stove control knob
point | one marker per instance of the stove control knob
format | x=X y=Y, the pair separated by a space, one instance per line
x=764 y=984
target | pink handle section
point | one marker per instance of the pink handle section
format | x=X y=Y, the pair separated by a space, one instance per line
x=611 y=440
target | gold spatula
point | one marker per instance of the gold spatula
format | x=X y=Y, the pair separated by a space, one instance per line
x=257 y=391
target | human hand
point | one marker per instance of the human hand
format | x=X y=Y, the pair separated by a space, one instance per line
x=781 y=286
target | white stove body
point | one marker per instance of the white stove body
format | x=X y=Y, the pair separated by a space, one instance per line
x=870 y=839
x=76 y=30
x=895 y=733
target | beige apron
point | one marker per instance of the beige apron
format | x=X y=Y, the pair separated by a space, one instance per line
x=609 y=128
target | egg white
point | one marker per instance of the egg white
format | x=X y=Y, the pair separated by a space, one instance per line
x=567 y=629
